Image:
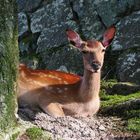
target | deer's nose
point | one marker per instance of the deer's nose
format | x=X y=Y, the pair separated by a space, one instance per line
x=95 y=65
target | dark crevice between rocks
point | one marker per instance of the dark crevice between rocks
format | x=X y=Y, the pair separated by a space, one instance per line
x=50 y=52
x=109 y=70
x=28 y=55
x=28 y=51
x=28 y=21
x=35 y=35
x=100 y=19
x=24 y=35
x=76 y=19
x=75 y=14
x=28 y=33
x=29 y=37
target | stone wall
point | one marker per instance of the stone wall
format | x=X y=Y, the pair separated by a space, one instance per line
x=43 y=42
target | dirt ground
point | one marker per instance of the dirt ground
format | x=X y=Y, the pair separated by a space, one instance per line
x=70 y=128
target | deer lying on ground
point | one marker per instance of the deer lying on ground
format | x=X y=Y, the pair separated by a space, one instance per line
x=58 y=93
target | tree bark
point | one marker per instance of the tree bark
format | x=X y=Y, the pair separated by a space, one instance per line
x=8 y=65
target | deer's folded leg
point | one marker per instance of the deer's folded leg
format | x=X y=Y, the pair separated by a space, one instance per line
x=52 y=109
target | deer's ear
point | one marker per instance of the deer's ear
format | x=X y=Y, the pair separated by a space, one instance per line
x=74 y=38
x=108 y=36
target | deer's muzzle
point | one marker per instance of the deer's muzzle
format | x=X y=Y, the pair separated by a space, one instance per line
x=96 y=66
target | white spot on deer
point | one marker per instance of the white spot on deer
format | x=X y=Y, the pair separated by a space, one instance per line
x=65 y=82
x=65 y=89
x=60 y=91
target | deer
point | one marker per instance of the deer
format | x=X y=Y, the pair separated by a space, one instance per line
x=60 y=94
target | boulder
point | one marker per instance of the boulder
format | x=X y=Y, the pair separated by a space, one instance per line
x=111 y=11
x=89 y=21
x=28 y=5
x=54 y=36
x=22 y=24
x=128 y=33
x=52 y=14
x=128 y=67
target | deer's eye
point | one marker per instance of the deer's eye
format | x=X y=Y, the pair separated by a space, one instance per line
x=103 y=50
x=83 y=45
x=84 y=52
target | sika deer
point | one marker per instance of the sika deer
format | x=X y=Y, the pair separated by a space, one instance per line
x=58 y=93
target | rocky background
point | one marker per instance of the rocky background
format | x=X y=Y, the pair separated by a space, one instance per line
x=43 y=42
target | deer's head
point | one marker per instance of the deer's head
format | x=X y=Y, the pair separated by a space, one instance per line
x=93 y=50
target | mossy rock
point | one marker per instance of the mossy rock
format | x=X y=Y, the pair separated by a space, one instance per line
x=121 y=108
x=123 y=100
x=120 y=88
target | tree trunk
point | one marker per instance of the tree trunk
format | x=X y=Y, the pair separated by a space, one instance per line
x=8 y=65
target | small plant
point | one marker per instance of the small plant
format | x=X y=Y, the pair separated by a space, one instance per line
x=34 y=133
x=14 y=136
x=37 y=134
x=134 y=125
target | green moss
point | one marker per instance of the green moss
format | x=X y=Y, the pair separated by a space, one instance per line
x=35 y=133
x=133 y=120
x=8 y=74
x=110 y=100
x=108 y=84
x=14 y=136
x=9 y=119
x=8 y=65
x=134 y=125
x=132 y=113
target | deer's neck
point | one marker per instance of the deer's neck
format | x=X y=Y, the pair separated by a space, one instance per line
x=90 y=85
